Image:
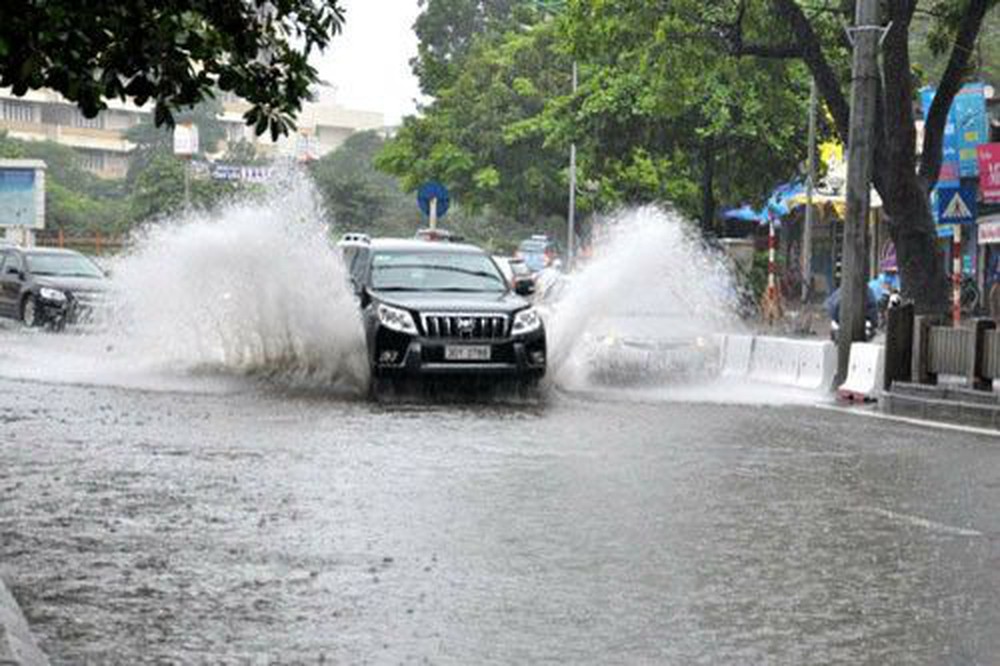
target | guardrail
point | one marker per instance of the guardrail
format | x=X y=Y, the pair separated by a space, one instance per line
x=97 y=244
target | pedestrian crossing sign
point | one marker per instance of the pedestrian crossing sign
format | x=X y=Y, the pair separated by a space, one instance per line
x=955 y=205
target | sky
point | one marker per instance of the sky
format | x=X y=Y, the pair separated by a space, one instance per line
x=369 y=62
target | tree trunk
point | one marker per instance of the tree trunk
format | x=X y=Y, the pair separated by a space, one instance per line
x=921 y=269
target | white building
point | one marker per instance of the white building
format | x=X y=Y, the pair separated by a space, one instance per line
x=45 y=115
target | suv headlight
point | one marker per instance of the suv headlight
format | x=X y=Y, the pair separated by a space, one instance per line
x=526 y=321
x=396 y=319
x=50 y=294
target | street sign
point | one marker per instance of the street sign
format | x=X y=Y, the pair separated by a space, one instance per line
x=430 y=191
x=186 y=139
x=956 y=205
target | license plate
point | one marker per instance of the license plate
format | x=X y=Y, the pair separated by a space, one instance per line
x=467 y=353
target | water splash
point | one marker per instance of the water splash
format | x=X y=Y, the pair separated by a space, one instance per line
x=653 y=293
x=257 y=289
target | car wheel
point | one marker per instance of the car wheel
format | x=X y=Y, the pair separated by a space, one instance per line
x=29 y=312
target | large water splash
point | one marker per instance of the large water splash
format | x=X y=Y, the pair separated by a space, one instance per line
x=256 y=289
x=652 y=291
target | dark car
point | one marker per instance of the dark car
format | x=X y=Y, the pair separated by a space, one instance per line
x=444 y=309
x=48 y=286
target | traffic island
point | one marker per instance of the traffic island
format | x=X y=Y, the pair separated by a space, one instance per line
x=17 y=644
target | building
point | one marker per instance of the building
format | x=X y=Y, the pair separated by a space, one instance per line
x=45 y=115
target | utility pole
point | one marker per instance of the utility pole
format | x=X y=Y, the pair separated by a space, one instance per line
x=867 y=35
x=571 y=216
x=807 y=230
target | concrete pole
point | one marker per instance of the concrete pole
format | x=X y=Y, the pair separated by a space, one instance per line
x=864 y=78
x=807 y=229
x=571 y=217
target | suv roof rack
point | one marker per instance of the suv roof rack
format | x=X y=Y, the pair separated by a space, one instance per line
x=352 y=237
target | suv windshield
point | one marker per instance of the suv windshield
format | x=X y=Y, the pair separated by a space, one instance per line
x=66 y=265
x=435 y=271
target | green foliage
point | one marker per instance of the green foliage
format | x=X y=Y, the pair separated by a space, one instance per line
x=930 y=39
x=446 y=31
x=151 y=140
x=477 y=138
x=661 y=113
x=75 y=200
x=173 y=52
x=359 y=197
x=158 y=190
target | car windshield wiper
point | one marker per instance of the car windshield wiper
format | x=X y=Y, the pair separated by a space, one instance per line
x=399 y=288
x=470 y=290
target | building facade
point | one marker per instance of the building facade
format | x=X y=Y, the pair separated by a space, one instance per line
x=43 y=115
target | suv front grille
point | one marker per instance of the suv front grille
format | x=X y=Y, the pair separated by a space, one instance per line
x=465 y=326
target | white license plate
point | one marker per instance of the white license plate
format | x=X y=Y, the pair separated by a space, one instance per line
x=467 y=353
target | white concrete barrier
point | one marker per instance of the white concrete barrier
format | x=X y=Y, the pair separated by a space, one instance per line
x=807 y=364
x=735 y=353
x=817 y=364
x=775 y=361
x=865 y=368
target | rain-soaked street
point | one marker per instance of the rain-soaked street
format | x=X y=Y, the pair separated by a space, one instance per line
x=264 y=526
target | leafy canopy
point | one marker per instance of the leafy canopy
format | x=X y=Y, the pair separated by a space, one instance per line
x=170 y=52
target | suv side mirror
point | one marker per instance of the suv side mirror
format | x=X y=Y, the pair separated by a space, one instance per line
x=524 y=287
x=14 y=270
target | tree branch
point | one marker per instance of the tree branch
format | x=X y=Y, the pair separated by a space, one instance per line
x=899 y=137
x=812 y=53
x=948 y=87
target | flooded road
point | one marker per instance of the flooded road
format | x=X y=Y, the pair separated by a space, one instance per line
x=260 y=526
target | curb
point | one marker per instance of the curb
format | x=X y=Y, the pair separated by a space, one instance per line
x=17 y=645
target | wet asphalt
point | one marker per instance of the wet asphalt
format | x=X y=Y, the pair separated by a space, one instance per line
x=259 y=525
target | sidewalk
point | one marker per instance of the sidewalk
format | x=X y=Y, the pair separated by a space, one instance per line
x=17 y=645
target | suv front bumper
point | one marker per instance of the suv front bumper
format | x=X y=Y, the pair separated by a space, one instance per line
x=394 y=354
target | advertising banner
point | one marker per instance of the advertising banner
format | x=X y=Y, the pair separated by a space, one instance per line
x=967 y=126
x=17 y=198
x=989 y=172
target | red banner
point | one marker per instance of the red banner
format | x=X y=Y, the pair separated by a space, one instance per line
x=989 y=171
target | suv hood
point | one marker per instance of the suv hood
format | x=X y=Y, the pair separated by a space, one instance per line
x=71 y=284
x=450 y=301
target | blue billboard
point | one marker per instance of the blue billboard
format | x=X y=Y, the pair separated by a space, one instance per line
x=967 y=126
x=17 y=198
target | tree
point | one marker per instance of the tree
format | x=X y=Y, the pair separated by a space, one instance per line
x=471 y=139
x=446 y=30
x=151 y=140
x=662 y=115
x=659 y=116
x=76 y=200
x=173 y=52
x=903 y=175
x=359 y=197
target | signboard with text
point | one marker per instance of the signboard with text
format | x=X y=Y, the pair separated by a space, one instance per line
x=967 y=126
x=989 y=172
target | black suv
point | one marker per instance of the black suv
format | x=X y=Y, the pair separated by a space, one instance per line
x=48 y=286
x=443 y=309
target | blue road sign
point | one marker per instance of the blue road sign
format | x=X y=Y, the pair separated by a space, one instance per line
x=433 y=190
x=956 y=205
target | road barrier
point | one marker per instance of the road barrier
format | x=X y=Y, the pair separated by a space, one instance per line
x=17 y=645
x=866 y=367
x=808 y=364
x=736 y=352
